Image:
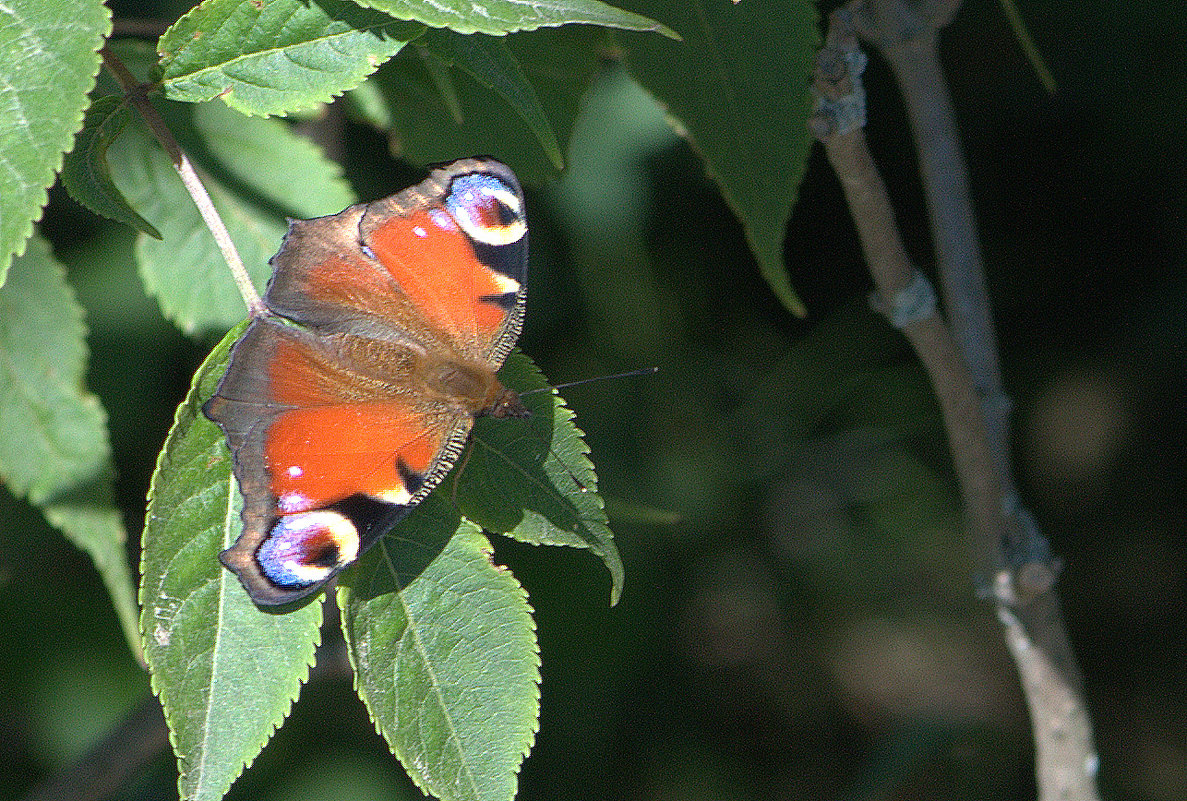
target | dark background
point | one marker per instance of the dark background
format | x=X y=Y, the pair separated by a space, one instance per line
x=798 y=619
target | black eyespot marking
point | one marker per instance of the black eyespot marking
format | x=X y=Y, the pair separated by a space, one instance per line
x=506 y=301
x=328 y=555
x=413 y=480
x=372 y=517
x=507 y=259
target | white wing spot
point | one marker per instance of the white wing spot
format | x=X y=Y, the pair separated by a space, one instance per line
x=292 y=502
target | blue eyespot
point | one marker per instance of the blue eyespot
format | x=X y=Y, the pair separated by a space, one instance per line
x=307 y=548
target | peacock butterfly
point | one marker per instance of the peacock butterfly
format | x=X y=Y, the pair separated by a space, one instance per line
x=353 y=397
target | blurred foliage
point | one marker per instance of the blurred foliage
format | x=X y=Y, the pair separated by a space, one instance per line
x=807 y=628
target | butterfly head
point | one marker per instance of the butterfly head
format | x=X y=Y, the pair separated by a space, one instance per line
x=507 y=406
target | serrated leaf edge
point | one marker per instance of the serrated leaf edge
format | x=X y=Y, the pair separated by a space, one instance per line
x=188 y=408
x=485 y=549
x=228 y=94
x=563 y=419
x=47 y=179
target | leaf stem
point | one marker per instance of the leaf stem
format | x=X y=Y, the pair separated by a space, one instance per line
x=137 y=94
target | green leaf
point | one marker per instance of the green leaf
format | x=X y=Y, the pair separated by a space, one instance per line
x=498 y=17
x=54 y=450
x=48 y=61
x=820 y=377
x=448 y=665
x=537 y=486
x=489 y=61
x=267 y=57
x=86 y=173
x=257 y=172
x=558 y=65
x=366 y=103
x=738 y=85
x=226 y=672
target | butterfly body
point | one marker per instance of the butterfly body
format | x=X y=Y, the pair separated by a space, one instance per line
x=347 y=404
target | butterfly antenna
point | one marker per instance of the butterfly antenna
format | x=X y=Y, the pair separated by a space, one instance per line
x=581 y=486
x=628 y=374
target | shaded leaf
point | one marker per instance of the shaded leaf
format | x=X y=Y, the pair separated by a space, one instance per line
x=507 y=16
x=443 y=80
x=54 y=450
x=366 y=102
x=559 y=65
x=86 y=173
x=448 y=665
x=267 y=57
x=738 y=85
x=257 y=172
x=533 y=480
x=48 y=61
x=489 y=61
x=226 y=672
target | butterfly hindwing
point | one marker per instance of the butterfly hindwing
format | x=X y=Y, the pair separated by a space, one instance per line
x=348 y=406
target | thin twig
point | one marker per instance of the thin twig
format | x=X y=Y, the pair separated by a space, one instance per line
x=909 y=41
x=137 y=94
x=1066 y=759
x=140 y=28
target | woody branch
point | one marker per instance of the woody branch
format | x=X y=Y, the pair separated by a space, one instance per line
x=1011 y=557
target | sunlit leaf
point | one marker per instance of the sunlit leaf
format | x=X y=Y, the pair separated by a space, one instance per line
x=276 y=56
x=537 y=485
x=507 y=16
x=226 y=672
x=445 y=655
x=48 y=61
